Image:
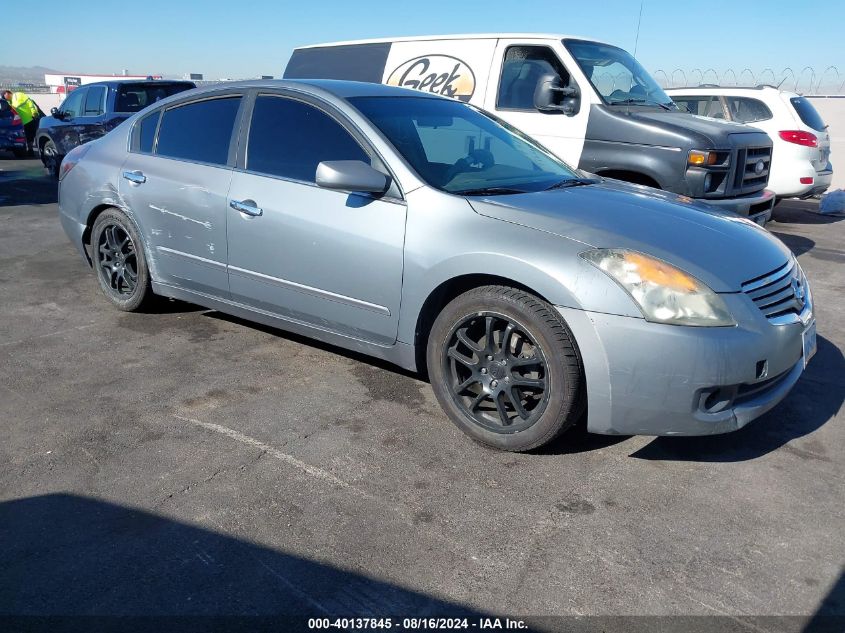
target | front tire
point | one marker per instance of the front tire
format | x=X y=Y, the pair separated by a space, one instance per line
x=505 y=368
x=119 y=261
x=51 y=158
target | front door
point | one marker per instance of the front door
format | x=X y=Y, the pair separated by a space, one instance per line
x=177 y=185
x=328 y=259
x=519 y=66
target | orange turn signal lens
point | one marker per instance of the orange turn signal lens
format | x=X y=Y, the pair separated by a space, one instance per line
x=697 y=157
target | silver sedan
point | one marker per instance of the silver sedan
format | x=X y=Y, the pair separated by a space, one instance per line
x=426 y=232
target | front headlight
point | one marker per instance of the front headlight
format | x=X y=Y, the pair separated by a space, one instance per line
x=665 y=294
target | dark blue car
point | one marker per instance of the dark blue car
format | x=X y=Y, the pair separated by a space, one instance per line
x=92 y=110
x=12 y=137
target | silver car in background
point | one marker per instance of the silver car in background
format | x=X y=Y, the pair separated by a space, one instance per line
x=426 y=232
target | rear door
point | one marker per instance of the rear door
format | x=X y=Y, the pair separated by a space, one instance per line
x=328 y=259
x=175 y=180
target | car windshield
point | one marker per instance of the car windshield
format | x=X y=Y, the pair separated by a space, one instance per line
x=136 y=97
x=616 y=75
x=456 y=148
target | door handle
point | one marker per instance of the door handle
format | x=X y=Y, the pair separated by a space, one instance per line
x=246 y=206
x=135 y=177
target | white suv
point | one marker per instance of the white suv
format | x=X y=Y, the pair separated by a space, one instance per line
x=800 y=161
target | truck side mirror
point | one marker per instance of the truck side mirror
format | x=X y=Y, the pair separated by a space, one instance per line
x=551 y=96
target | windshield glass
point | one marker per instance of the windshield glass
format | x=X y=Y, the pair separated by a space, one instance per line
x=136 y=97
x=616 y=75
x=458 y=149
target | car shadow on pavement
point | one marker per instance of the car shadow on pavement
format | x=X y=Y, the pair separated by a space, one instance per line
x=798 y=244
x=75 y=563
x=24 y=188
x=802 y=212
x=815 y=399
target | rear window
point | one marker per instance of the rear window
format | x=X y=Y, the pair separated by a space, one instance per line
x=808 y=114
x=136 y=97
x=5 y=109
x=147 y=132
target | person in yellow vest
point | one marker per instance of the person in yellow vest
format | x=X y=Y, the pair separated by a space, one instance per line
x=29 y=113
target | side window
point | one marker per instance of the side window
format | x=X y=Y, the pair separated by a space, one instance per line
x=289 y=138
x=709 y=106
x=94 y=101
x=521 y=70
x=147 y=132
x=72 y=105
x=199 y=131
x=746 y=110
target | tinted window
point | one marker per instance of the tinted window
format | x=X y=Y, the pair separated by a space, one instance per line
x=94 y=101
x=521 y=70
x=746 y=110
x=809 y=115
x=147 y=132
x=136 y=97
x=72 y=105
x=199 y=131
x=456 y=148
x=289 y=138
x=5 y=110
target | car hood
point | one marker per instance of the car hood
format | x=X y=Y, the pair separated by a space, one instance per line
x=719 y=248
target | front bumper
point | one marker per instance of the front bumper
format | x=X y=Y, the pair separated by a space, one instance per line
x=652 y=379
x=757 y=207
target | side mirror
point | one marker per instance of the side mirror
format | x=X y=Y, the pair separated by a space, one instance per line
x=57 y=114
x=551 y=96
x=351 y=175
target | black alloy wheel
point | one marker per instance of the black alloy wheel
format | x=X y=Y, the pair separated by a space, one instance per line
x=497 y=372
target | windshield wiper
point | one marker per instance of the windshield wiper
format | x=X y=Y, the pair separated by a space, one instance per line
x=488 y=191
x=665 y=106
x=572 y=182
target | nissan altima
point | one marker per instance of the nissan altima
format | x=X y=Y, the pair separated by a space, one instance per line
x=424 y=231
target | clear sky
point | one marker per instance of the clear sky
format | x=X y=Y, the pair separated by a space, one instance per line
x=248 y=38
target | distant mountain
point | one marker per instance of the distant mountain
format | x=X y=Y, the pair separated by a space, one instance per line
x=24 y=74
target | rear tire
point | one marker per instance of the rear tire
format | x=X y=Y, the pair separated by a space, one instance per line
x=119 y=261
x=505 y=368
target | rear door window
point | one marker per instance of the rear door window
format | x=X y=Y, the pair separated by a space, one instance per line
x=200 y=131
x=808 y=114
x=94 y=101
x=747 y=110
x=147 y=132
x=289 y=138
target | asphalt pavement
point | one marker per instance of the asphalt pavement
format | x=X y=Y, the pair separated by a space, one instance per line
x=187 y=463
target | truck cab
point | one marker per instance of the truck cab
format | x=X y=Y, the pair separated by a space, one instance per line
x=589 y=102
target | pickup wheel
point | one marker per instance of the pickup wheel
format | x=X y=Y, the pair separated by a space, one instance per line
x=51 y=158
x=505 y=368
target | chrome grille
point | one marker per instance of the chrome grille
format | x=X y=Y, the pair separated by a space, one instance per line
x=781 y=295
x=747 y=178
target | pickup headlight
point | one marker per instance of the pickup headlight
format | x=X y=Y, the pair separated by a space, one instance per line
x=665 y=294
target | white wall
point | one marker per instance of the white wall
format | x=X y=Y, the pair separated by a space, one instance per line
x=832 y=110
x=46 y=101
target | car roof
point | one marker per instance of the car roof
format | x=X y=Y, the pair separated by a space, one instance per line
x=336 y=87
x=461 y=36
x=134 y=82
x=726 y=90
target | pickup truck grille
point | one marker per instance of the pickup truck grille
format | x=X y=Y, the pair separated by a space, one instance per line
x=751 y=169
x=780 y=294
